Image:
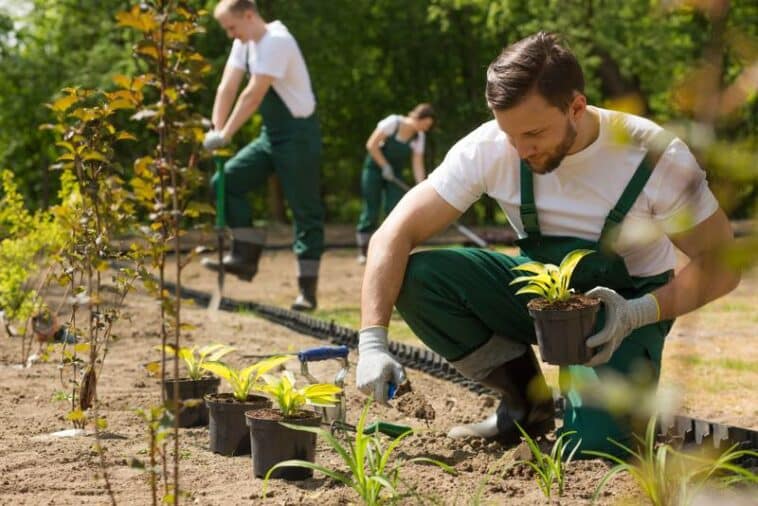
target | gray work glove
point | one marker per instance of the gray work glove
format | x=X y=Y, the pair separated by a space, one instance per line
x=388 y=173
x=376 y=367
x=622 y=317
x=214 y=140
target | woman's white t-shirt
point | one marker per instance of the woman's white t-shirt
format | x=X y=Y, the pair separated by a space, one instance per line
x=389 y=126
x=278 y=55
x=576 y=197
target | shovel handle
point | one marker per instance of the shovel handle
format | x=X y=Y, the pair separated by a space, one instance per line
x=220 y=193
x=323 y=353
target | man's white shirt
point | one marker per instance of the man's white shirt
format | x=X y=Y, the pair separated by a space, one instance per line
x=278 y=55
x=575 y=198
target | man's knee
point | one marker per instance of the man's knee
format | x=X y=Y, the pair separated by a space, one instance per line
x=419 y=274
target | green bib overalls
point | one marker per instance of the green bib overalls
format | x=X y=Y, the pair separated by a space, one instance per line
x=455 y=300
x=291 y=148
x=373 y=186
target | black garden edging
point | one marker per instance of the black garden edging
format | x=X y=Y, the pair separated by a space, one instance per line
x=691 y=430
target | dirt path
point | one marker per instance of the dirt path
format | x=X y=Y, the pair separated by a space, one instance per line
x=718 y=379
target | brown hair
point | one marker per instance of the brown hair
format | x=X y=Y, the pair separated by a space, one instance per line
x=236 y=6
x=423 y=110
x=539 y=62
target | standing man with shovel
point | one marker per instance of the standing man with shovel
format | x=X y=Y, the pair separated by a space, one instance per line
x=289 y=145
x=568 y=175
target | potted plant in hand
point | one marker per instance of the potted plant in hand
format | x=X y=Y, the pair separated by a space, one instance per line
x=193 y=388
x=563 y=320
x=228 y=433
x=273 y=442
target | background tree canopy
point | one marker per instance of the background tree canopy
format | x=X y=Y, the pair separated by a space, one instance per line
x=370 y=58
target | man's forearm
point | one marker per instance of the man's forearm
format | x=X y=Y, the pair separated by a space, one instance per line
x=702 y=280
x=246 y=105
x=385 y=270
x=221 y=107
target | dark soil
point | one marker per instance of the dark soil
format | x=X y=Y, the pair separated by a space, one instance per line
x=275 y=414
x=575 y=302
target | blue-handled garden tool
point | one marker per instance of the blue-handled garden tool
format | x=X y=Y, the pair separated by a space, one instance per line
x=220 y=228
x=334 y=413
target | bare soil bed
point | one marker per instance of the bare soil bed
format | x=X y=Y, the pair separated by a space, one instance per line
x=712 y=357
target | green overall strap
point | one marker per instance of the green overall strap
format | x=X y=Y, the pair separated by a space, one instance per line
x=655 y=149
x=528 y=209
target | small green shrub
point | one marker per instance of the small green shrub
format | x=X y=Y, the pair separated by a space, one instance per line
x=550 y=281
x=290 y=400
x=242 y=381
x=373 y=474
x=195 y=358
x=669 y=477
x=550 y=468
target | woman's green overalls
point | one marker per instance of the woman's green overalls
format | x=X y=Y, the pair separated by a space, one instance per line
x=373 y=186
x=455 y=300
x=291 y=148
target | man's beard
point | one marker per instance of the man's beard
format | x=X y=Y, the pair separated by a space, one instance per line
x=558 y=154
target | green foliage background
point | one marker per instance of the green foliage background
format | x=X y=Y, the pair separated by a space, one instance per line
x=370 y=58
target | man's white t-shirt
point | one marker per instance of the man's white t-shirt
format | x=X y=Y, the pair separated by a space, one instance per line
x=389 y=126
x=278 y=55
x=575 y=198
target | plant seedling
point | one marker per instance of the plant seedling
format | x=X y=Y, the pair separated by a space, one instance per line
x=667 y=476
x=562 y=320
x=549 y=281
x=290 y=400
x=195 y=358
x=373 y=474
x=549 y=468
x=242 y=381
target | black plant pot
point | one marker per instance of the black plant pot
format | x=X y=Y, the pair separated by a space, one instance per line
x=562 y=333
x=227 y=429
x=194 y=413
x=272 y=442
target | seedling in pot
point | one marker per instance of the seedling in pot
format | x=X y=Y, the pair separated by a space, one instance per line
x=272 y=441
x=562 y=319
x=242 y=381
x=195 y=358
x=228 y=432
x=290 y=400
x=374 y=475
x=192 y=390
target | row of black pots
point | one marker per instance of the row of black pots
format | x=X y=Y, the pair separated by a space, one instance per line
x=250 y=427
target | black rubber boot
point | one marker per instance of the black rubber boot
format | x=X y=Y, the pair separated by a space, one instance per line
x=306 y=300
x=526 y=399
x=242 y=261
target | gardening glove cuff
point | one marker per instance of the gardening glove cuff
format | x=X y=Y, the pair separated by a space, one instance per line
x=388 y=173
x=214 y=140
x=622 y=317
x=376 y=366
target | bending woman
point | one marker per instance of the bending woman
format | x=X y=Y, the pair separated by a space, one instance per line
x=395 y=140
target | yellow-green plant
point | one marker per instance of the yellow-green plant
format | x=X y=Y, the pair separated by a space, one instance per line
x=28 y=244
x=548 y=280
x=667 y=476
x=195 y=358
x=373 y=473
x=290 y=399
x=549 y=468
x=243 y=380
